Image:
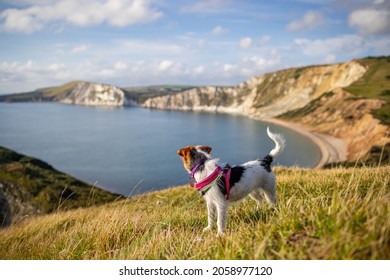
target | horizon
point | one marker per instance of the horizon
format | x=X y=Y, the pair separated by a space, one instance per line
x=177 y=85
x=134 y=43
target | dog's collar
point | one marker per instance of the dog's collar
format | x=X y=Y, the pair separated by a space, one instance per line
x=207 y=183
x=196 y=168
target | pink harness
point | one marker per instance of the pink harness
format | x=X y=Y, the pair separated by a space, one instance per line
x=209 y=180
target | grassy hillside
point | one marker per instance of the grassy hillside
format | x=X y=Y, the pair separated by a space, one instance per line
x=375 y=84
x=141 y=93
x=41 y=95
x=32 y=186
x=322 y=214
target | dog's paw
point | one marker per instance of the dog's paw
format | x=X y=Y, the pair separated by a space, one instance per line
x=206 y=229
x=220 y=234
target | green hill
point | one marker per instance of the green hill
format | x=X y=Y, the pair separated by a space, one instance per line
x=30 y=186
x=321 y=214
x=49 y=94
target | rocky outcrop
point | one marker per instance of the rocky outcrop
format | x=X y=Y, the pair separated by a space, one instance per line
x=5 y=211
x=266 y=96
x=13 y=204
x=93 y=94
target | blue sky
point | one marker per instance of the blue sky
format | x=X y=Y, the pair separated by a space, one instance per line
x=195 y=42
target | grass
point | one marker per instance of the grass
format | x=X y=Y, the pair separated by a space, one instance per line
x=30 y=181
x=321 y=214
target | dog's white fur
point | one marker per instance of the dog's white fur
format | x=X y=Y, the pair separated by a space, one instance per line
x=255 y=181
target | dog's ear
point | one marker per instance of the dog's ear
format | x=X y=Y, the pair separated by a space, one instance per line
x=207 y=149
x=184 y=151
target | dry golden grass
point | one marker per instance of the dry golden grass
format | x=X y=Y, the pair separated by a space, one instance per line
x=321 y=214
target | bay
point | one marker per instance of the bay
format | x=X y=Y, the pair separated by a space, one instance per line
x=132 y=150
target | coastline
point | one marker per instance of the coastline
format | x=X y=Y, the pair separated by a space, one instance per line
x=331 y=149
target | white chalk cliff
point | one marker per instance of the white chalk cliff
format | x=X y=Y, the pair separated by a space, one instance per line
x=265 y=96
x=94 y=94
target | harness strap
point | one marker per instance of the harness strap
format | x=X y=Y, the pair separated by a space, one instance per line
x=210 y=180
x=227 y=182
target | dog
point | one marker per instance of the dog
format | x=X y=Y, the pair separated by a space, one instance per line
x=220 y=186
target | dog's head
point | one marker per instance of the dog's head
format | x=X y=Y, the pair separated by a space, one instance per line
x=192 y=155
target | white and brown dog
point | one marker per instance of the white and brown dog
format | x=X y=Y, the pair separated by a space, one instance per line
x=222 y=185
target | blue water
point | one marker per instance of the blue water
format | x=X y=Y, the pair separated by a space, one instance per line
x=133 y=150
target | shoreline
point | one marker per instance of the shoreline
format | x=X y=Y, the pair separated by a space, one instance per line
x=331 y=149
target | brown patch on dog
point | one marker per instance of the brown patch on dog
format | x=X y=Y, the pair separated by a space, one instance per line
x=185 y=154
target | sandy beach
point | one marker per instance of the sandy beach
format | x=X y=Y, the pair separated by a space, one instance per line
x=332 y=149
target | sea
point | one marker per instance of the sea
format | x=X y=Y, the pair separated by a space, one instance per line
x=132 y=150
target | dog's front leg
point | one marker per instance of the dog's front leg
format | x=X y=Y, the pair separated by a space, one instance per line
x=222 y=211
x=211 y=211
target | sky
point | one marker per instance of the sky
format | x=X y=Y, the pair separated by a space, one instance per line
x=190 y=42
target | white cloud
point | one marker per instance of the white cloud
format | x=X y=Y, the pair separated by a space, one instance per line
x=56 y=67
x=206 y=6
x=370 y=21
x=330 y=58
x=201 y=43
x=79 y=13
x=164 y=65
x=246 y=42
x=310 y=20
x=274 y=52
x=120 y=65
x=264 y=39
x=198 y=70
x=348 y=44
x=228 y=67
x=145 y=47
x=218 y=30
x=80 y=49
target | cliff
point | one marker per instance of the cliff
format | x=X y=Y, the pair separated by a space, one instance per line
x=76 y=92
x=265 y=96
x=315 y=97
x=93 y=94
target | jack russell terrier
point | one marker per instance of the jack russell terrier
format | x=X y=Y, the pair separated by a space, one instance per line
x=221 y=185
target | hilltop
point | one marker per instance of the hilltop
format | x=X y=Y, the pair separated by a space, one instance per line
x=29 y=186
x=321 y=214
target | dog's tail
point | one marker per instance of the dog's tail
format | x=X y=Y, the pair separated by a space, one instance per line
x=279 y=143
x=279 y=146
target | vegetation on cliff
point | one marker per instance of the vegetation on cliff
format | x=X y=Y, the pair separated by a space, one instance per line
x=375 y=84
x=30 y=186
x=321 y=214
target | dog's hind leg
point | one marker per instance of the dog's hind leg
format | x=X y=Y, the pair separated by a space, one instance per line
x=257 y=196
x=270 y=195
x=211 y=212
